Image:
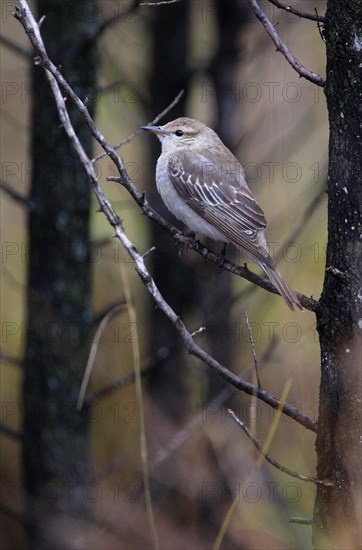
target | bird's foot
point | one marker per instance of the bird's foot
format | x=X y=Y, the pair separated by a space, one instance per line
x=221 y=257
x=191 y=236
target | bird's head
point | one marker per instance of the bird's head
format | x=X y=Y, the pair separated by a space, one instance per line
x=183 y=133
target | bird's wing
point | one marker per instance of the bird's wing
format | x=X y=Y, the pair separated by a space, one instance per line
x=219 y=195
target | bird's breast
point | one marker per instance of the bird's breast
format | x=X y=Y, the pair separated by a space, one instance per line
x=178 y=206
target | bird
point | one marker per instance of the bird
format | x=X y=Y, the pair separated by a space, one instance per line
x=203 y=185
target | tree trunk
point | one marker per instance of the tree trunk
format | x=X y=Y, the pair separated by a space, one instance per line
x=231 y=18
x=174 y=278
x=56 y=450
x=337 y=512
x=190 y=288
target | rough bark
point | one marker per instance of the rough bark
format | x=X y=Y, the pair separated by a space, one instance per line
x=56 y=449
x=337 y=514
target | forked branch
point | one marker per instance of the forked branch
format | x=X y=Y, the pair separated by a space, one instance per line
x=282 y=48
x=297 y=11
x=58 y=85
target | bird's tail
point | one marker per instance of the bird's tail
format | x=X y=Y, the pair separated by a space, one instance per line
x=281 y=284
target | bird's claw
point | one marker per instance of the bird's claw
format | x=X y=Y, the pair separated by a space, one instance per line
x=191 y=236
x=221 y=257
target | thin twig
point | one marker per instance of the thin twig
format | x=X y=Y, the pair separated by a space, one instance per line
x=100 y=243
x=292 y=237
x=16 y=48
x=320 y=28
x=127 y=183
x=271 y=433
x=161 y=3
x=101 y=314
x=182 y=435
x=139 y=131
x=252 y=349
x=17 y=197
x=253 y=403
x=123 y=380
x=115 y=385
x=152 y=249
x=56 y=79
x=108 y=22
x=15 y=433
x=132 y=316
x=14 y=514
x=109 y=467
x=272 y=460
x=120 y=381
x=297 y=11
x=309 y=211
x=93 y=352
x=300 y=521
x=4 y=356
x=281 y=47
x=198 y=331
x=218 y=259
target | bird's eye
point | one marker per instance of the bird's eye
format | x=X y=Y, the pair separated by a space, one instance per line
x=179 y=133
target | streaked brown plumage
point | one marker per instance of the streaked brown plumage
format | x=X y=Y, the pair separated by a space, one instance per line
x=203 y=184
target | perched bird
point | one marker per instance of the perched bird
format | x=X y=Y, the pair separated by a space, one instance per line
x=203 y=185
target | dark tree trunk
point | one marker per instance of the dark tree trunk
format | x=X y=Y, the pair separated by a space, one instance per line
x=56 y=450
x=169 y=75
x=190 y=288
x=337 y=514
x=231 y=17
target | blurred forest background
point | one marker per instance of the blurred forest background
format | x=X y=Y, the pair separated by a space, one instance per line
x=276 y=124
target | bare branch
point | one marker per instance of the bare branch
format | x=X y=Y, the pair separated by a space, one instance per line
x=4 y=356
x=14 y=514
x=123 y=380
x=109 y=468
x=108 y=22
x=92 y=355
x=17 y=197
x=292 y=237
x=110 y=308
x=11 y=432
x=56 y=79
x=139 y=131
x=182 y=435
x=101 y=242
x=118 y=16
x=16 y=48
x=116 y=384
x=161 y=3
x=218 y=259
x=126 y=182
x=281 y=47
x=300 y=521
x=198 y=331
x=309 y=211
x=272 y=460
x=145 y=254
x=297 y=11
x=253 y=349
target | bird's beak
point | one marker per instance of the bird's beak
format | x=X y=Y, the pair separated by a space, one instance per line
x=154 y=129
